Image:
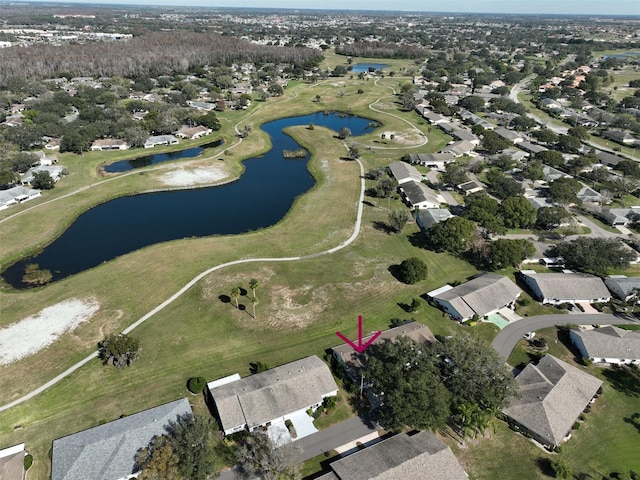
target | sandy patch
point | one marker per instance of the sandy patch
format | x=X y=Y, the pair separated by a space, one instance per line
x=197 y=176
x=34 y=333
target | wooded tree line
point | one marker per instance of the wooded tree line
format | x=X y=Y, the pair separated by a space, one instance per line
x=382 y=50
x=151 y=54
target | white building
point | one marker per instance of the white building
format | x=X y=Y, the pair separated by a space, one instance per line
x=608 y=344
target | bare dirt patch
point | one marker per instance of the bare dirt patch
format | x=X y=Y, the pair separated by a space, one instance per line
x=184 y=177
x=38 y=331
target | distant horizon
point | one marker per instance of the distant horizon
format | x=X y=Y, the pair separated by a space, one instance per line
x=630 y=8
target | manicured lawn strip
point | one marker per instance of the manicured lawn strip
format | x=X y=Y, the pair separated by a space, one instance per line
x=603 y=142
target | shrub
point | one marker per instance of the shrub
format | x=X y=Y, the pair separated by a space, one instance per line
x=586 y=361
x=575 y=426
x=196 y=384
x=329 y=403
x=412 y=270
x=582 y=417
x=28 y=461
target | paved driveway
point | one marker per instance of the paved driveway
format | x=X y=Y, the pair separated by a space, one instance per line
x=303 y=424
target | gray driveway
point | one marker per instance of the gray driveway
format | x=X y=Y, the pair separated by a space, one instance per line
x=507 y=338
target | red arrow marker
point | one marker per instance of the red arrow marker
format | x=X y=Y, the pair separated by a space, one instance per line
x=360 y=347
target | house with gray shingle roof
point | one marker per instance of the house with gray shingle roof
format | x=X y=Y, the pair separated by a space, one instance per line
x=429 y=217
x=552 y=394
x=271 y=396
x=623 y=287
x=420 y=456
x=418 y=195
x=620 y=216
x=480 y=296
x=458 y=149
x=608 y=344
x=107 y=452
x=431 y=160
x=403 y=172
x=556 y=288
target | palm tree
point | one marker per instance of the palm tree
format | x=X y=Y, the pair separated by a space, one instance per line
x=235 y=294
x=253 y=285
x=254 y=302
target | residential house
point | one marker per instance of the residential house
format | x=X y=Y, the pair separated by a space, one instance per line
x=106 y=144
x=53 y=144
x=434 y=118
x=156 y=140
x=404 y=172
x=47 y=161
x=107 y=452
x=418 y=456
x=346 y=356
x=459 y=149
x=620 y=136
x=16 y=195
x=204 y=106
x=620 y=216
x=12 y=463
x=510 y=135
x=552 y=394
x=481 y=296
x=563 y=287
x=470 y=187
x=513 y=153
x=193 y=133
x=418 y=195
x=608 y=344
x=428 y=218
x=272 y=396
x=551 y=174
x=609 y=159
x=532 y=148
x=54 y=170
x=462 y=134
x=588 y=194
x=474 y=119
x=623 y=287
x=435 y=161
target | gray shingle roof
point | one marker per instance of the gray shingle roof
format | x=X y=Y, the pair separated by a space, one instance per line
x=418 y=192
x=417 y=457
x=552 y=395
x=403 y=172
x=569 y=286
x=621 y=286
x=481 y=295
x=107 y=452
x=610 y=342
x=260 y=398
x=431 y=216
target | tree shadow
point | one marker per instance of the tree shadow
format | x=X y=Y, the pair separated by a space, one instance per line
x=242 y=307
x=634 y=420
x=368 y=203
x=395 y=272
x=405 y=306
x=624 y=379
x=382 y=227
x=224 y=298
x=243 y=291
x=419 y=239
x=544 y=464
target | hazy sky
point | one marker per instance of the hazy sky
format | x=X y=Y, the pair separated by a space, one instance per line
x=613 y=7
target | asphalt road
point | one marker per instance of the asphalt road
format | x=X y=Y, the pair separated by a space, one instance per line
x=506 y=340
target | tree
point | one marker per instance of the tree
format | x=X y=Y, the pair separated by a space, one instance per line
x=563 y=190
x=42 y=180
x=517 y=212
x=119 y=350
x=561 y=468
x=549 y=218
x=186 y=451
x=509 y=253
x=258 y=456
x=412 y=270
x=484 y=210
x=398 y=219
x=621 y=186
x=494 y=143
x=594 y=254
x=254 y=302
x=473 y=372
x=472 y=103
x=629 y=168
x=235 y=295
x=502 y=186
x=454 y=174
x=545 y=135
x=550 y=157
x=533 y=170
x=253 y=285
x=386 y=187
x=75 y=141
x=452 y=235
x=354 y=153
x=209 y=120
x=568 y=143
x=579 y=132
x=344 y=133
x=408 y=376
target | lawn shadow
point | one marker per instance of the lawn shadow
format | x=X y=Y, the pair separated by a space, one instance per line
x=394 y=270
x=544 y=464
x=624 y=379
x=418 y=239
x=224 y=298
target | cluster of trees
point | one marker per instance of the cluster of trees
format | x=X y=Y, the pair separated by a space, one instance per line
x=412 y=270
x=594 y=254
x=13 y=163
x=382 y=50
x=119 y=350
x=187 y=451
x=425 y=385
x=495 y=217
x=148 y=55
x=258 y=457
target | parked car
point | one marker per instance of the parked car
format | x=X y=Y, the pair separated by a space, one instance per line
x=529 y=335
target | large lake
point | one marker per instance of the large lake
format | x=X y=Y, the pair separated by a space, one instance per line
x=258 y=199
x=367 y=67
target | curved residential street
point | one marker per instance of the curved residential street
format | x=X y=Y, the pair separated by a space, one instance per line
x=507 y=338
